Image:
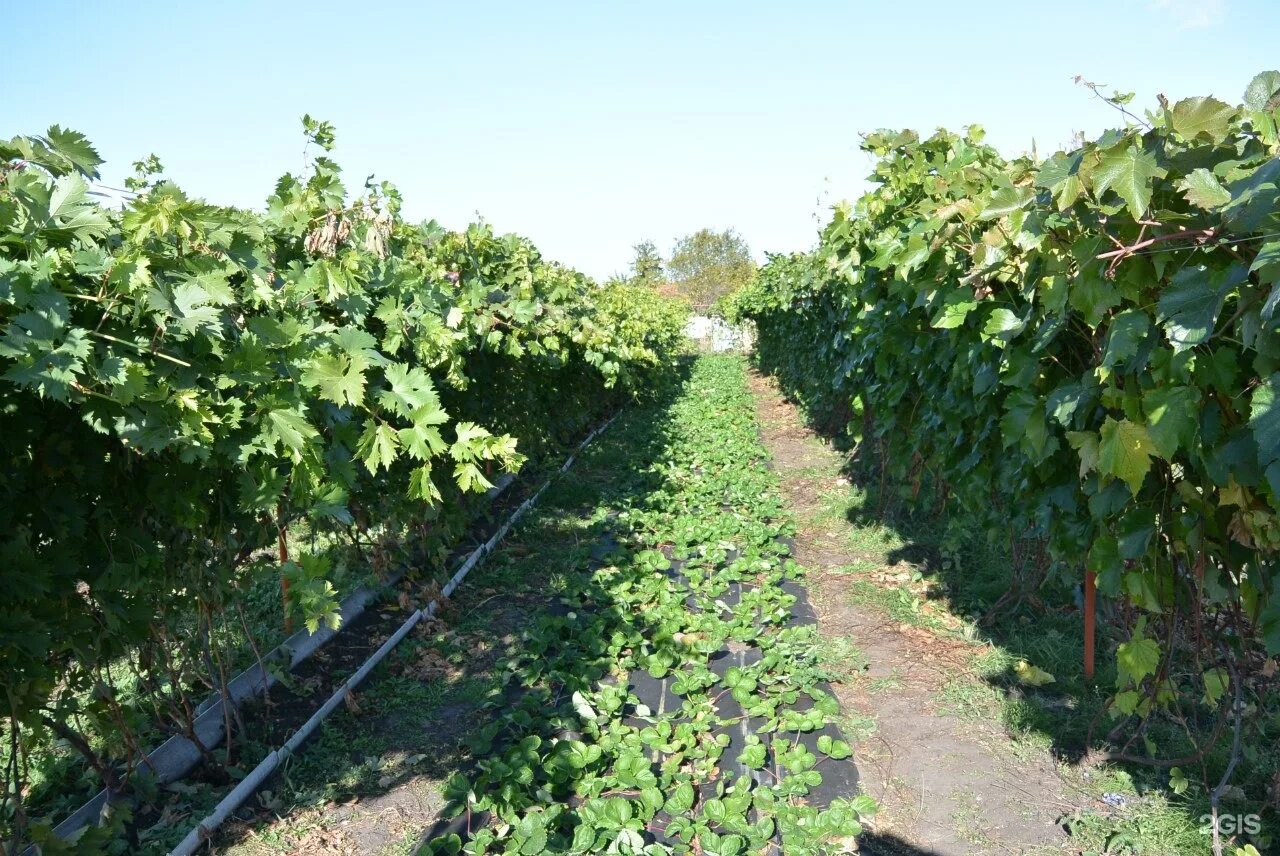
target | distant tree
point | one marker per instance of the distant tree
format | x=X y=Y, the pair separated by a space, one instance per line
x=707 y=265
x=647 y=267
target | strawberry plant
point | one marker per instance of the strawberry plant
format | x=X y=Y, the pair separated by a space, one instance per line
x=677 y=708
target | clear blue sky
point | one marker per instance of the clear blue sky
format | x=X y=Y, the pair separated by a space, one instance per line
x=590 y=126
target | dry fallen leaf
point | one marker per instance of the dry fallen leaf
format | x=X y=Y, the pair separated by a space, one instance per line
x=352 y=705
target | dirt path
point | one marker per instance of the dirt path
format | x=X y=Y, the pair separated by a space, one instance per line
x=948 y=783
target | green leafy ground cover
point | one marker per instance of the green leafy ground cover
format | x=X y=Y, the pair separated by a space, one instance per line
x=515 y=704
x=572 y=761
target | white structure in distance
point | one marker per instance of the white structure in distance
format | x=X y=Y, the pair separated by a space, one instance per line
x=717 y=335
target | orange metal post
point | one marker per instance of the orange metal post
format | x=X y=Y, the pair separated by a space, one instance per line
x=1090 y=601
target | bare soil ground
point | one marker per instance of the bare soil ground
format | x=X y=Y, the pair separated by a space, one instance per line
x=948 y=783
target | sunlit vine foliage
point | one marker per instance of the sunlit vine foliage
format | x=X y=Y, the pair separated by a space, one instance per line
x=182 y=383
x=1082 y=349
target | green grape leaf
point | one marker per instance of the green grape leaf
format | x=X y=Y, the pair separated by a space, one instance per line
x=1202 y=189
x=378 y=445
x=1203 y=117
x=1127 y=330
x=1006 y=199
x=1003 y=325
x=1264 y=419
x=1267 y=266
x=76 y=148
x=1263 y=92
x=1171 y=413
x=290 y=429
x=1129 y=171
x=1060 y=175
x=1188 y=309
x=1086 y=444
x=955 y=309
x=1137 y=659
x=336 y=377
x=1216 y=682
x=1124 y=451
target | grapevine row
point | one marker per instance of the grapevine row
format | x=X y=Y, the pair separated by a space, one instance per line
x=1081 y=350
x=193 y=397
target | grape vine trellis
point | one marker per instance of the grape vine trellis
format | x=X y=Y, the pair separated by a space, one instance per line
x=182 y=385
x=1083 y=350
